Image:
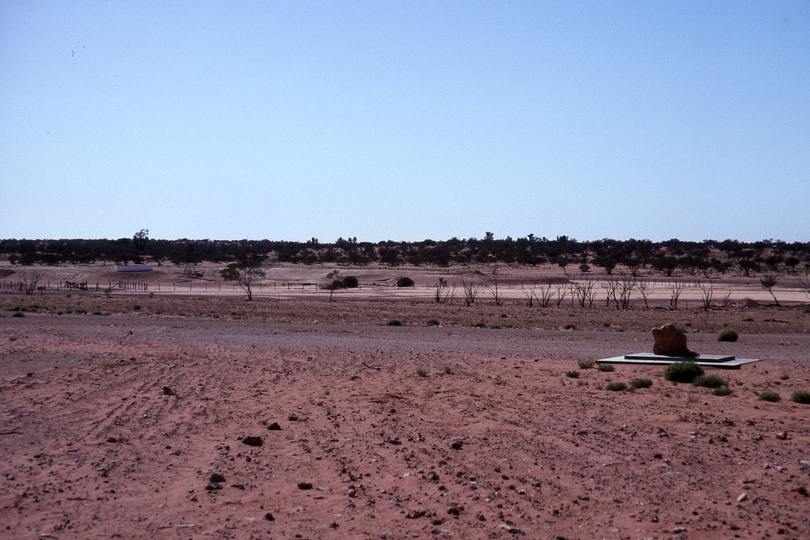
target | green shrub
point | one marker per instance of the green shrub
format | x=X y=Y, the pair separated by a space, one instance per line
x=641 y=383
x=572 y=374
x=80 y=311
x=616 y=386
x=727 y=334
x=394 y=322
x=432 y=322
x=710 y=381
x=570 y=326
x=683 y=372
x=18 y=314
x=448 y=370
x=722 y=391
x=587 y=363
x=479 y=324
x=785 y=377
x=801 y=396
x=350 y=282
x=405 y=282
x=607 y=368
x=773 y=397
x=422 y=372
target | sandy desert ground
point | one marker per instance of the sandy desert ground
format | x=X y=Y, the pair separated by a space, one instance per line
x=142 y=421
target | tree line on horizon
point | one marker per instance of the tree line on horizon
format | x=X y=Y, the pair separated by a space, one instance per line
x=706 y=257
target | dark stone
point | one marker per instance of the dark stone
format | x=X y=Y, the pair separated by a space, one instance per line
x=304 y=485
x=274 y=427
x=457 y=445
x=415 y=514
x=669 y=341
x=293 y=417
x=269 y=517
x=252 y=441
x=212 y=487
x=333 y=525
x=168 y=391
x=112 y=440
x=455 y=509
x=216 y=478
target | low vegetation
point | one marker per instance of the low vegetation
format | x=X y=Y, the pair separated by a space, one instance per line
x=432 y=322
x=586 y=363
x=607 y=368
x=572 y=374
x=722 y=391
x=727 y=334
x=422 y=372
x=683 y=372
x=773 y=397
x=641 y=383
x=394 y=322
x=405 y=281
x=617 y=386
x=710 y=381
x=801 y=396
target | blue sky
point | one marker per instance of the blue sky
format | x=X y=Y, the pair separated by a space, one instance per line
x=405 y=120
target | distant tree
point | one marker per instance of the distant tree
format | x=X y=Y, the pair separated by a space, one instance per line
x=792 y=262
x=245 y=273
x=768 y=282
x=140 y=238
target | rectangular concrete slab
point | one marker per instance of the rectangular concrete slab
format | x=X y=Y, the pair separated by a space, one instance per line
x=657 y=359
x=699 y=358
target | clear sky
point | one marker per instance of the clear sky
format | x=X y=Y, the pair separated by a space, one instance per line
x=405 y=120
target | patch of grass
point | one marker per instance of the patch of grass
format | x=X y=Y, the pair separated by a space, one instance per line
x=432 y=322
x=498 y=326
x=801 y=396
x=722 y=391
x=97 y=313
x=586 y=363
x=607 y=368
x=641 y=383
x=422 y=372
x=479 y=324
x=710 y=381
x=570 y=326
x=683 y=372
x=785 y=377
x=572 y=374
x=394 y=322
x=18 y=314
x=773 y=397
x=617 y=386
x=80 y=311
x=727 y=334
x=448 y=370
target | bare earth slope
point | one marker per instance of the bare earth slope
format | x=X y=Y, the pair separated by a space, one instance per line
x=113 y=426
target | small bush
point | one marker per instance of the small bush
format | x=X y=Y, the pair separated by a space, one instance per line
x=722 y=391
x=572 y=374
x=18 y=314
x=683 y=372
x=616 y=386
x=422 y=372
x=785 y=377
x=641 y=383
x=448 y=370
x=432 y=322
x=709 y=381
x=80 y=311
x=394 y=322
x=350 y=282
x=405 y=282
x=607 y=368
x=801 y=396
x=570 y=326
x=773 y=397
x=479 y=324
x=727 y=334
x=587 y=363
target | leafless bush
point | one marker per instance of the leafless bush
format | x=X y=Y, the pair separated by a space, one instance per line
x=644 y=290
x=441 y=291
x=471 y=290
x=707 y=294
x=804 y=283
x=530 y=296
x=768 y=282
x=29 y=280
x=584 y=293
x=492 y=286
x=544 y=298
x=560 y=293
x=626 y=285
x=609 y=285
x=676 y=287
